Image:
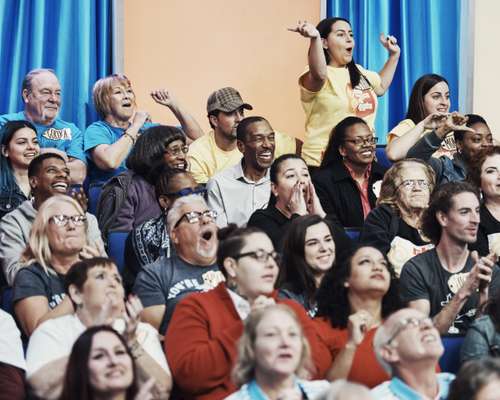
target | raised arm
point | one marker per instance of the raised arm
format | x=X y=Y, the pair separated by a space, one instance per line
x=110 y=156
x=389 y=68
x=315 y=78
x=188 y=123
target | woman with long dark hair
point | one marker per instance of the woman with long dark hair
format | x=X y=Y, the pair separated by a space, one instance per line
x=353 y=300
x=18 y=146
x=308 y=254
x=100 y=366
x=334 y=86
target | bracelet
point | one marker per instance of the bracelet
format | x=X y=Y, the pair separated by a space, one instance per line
x=126 y=134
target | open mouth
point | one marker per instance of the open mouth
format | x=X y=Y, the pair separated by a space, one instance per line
x=349 y=50
x=367 y=153
x=429 y=338
x=266 y=156
x=207 y=235
x=30 y=154
x=181 y=165
x=60 y=186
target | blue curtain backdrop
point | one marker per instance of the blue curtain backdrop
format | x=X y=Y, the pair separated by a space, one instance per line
x=428 y=33
x=73 y=37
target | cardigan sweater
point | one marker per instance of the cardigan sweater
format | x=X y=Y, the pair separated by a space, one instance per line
x=201 y=343
x=339 y=193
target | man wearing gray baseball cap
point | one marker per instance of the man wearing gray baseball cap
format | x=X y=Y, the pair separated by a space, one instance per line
x=217 y=150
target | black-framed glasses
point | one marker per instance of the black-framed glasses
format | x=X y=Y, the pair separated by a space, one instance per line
x=359 y=141
x=411 y=322
x=199 y=190
x=260 y=255
x=62 y=220
x=176 y=151
x=412 y=183
x=194 y=217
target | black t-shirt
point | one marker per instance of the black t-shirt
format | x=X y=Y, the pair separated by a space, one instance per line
x=168 y=280
x=489 y=230
x=34 y=281
x=423 y=277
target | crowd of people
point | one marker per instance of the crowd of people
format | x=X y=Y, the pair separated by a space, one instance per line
x=241 y=276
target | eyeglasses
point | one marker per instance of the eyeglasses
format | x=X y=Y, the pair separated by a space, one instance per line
x=412 y=183
x=200 y=190
x=359 y=141
x=411 y=322
x=194 y=217
x=260 y=255
x=62 y=220
x=176 y=151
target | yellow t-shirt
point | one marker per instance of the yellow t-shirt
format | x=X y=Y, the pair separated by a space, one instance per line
x=448 y=146
x=335 y=101
x=206 y=159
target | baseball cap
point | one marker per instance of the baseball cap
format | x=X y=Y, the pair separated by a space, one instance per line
x=226 y=99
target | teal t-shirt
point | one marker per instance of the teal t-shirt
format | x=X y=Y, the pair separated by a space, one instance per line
x=101 y=132
x=60 y=134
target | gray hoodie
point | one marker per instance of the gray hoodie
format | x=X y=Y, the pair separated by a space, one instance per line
x=15 y=229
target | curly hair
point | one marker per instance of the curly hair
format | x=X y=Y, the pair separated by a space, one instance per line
x=442 y=200
x=474 y=171
x=244 y=370
x=393 y=178
x=333 y=300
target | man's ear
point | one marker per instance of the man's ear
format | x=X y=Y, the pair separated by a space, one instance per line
x=230 y=267
x=173 y=236
x=213 y=119
x=33 y=180
x=389 y=354
x=442 y=218
x=241 y=146
x=25 y=94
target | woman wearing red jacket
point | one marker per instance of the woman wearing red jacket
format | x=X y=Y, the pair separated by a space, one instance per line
x=201 y=342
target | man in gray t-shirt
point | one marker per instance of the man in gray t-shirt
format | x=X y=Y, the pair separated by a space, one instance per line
x=449 y=283
x=193 y=268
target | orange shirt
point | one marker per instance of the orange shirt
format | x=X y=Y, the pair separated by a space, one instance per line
x=365 y=368
x=363 y=189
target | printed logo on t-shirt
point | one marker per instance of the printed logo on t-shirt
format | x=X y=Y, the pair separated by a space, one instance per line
x=55 y=300
x=58 y=134
x=363 y=101
x=209 y=280
x=456 y=281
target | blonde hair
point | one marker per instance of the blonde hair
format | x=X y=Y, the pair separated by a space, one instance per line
x=244 y=370
x=38 y=249
x=101 y=92
x=393 y=179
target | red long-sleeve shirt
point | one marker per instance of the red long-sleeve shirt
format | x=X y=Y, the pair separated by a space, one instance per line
x=201 y=343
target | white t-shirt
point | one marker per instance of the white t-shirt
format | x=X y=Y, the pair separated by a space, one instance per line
x=54 y=339
x=11 y=347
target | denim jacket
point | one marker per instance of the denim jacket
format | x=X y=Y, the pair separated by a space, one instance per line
x=482 y=339
x=446 y=169
x=10 y=199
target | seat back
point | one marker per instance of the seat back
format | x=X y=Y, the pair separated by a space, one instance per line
x=382 y=157
x=116 y=248
x=94 y=193
x=450 y=360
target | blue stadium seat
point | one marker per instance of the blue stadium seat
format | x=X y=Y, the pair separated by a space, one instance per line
x=94 y=193
x=382 y=157
x=116 y=248
x=450 y=360
x=353 y=233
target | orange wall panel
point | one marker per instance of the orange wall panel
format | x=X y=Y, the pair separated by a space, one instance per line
x=193 y=47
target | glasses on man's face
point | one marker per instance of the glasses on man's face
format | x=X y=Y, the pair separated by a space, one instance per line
x=194 y=217
x=62 y=220
x=413 y=183
x=260 y=255
x=411 y=322
x=360 y=141
x=199 y=190
x=176 y=151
